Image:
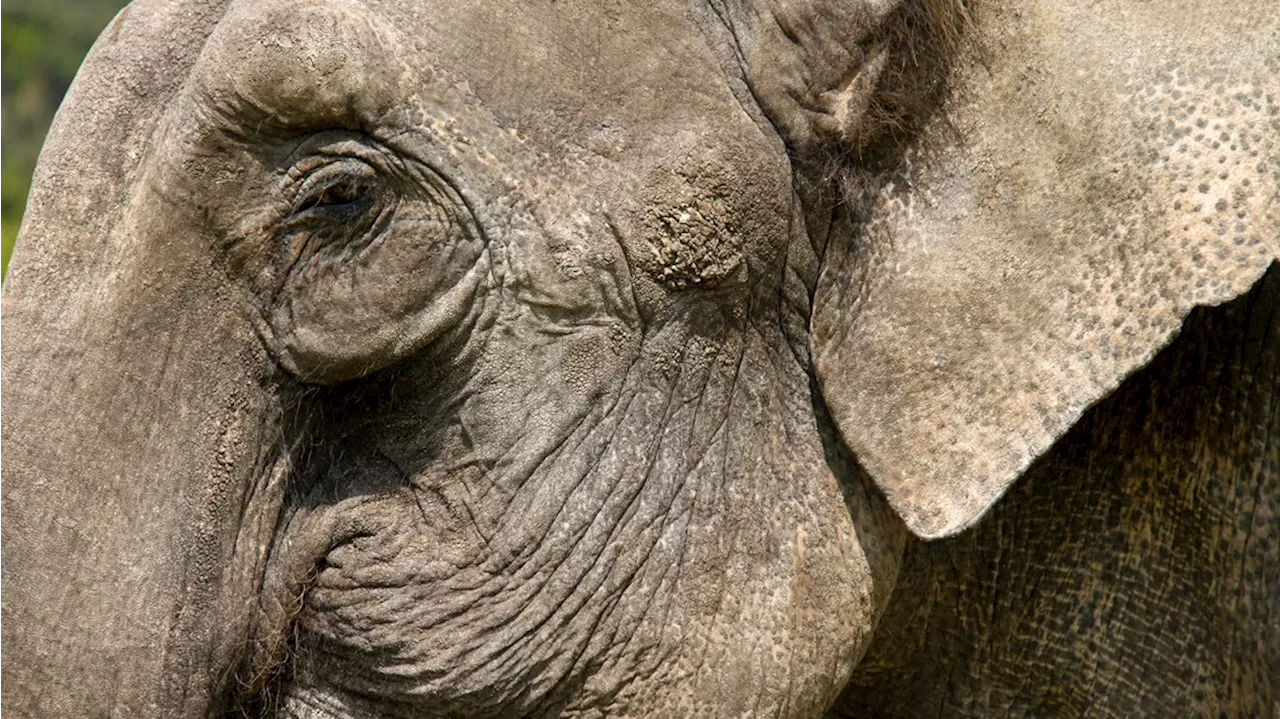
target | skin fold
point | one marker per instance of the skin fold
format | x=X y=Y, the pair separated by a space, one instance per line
x=397 y=358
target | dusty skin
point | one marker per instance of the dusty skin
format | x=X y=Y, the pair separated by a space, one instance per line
x=687 y=358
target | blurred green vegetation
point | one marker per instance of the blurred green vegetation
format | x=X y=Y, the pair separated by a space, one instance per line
x=42 y=43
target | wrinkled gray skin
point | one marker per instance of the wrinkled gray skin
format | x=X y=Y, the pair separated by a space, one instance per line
x=409 y=358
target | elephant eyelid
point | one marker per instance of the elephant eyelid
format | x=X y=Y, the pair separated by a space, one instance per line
x=335 y=185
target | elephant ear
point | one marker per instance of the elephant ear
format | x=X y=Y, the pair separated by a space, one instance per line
x=1099 y=168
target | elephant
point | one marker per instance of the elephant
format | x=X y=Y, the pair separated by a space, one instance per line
x=719 y=358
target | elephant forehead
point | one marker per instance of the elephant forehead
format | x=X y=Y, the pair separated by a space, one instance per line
x=575 y=74
x=301 y=64
x=564 y=69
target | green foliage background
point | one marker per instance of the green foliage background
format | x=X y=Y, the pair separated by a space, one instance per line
x=42 y=43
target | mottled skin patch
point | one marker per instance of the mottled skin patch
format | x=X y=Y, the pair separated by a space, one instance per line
x=1219 y=165
x=690 y=244
x=693 y=225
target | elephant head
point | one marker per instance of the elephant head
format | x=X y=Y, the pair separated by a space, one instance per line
x=415 y=358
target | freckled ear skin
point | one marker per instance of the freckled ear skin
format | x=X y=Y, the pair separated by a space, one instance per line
x=1100 y=168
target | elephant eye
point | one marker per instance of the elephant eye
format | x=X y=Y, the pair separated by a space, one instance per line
x=339 y=193
x=346 y=184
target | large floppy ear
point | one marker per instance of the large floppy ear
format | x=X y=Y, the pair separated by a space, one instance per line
x=1098 y=168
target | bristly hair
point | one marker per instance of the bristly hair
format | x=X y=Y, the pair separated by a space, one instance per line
x=924 y=39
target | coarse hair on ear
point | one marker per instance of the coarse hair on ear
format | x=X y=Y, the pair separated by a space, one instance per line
x=922 y=39
x=1091 y=171
x=834 y=75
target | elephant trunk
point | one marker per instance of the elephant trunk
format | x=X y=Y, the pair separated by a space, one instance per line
x=140 y=473
x=143 y=470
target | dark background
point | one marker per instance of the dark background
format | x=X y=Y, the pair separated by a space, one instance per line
x=42 y=43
